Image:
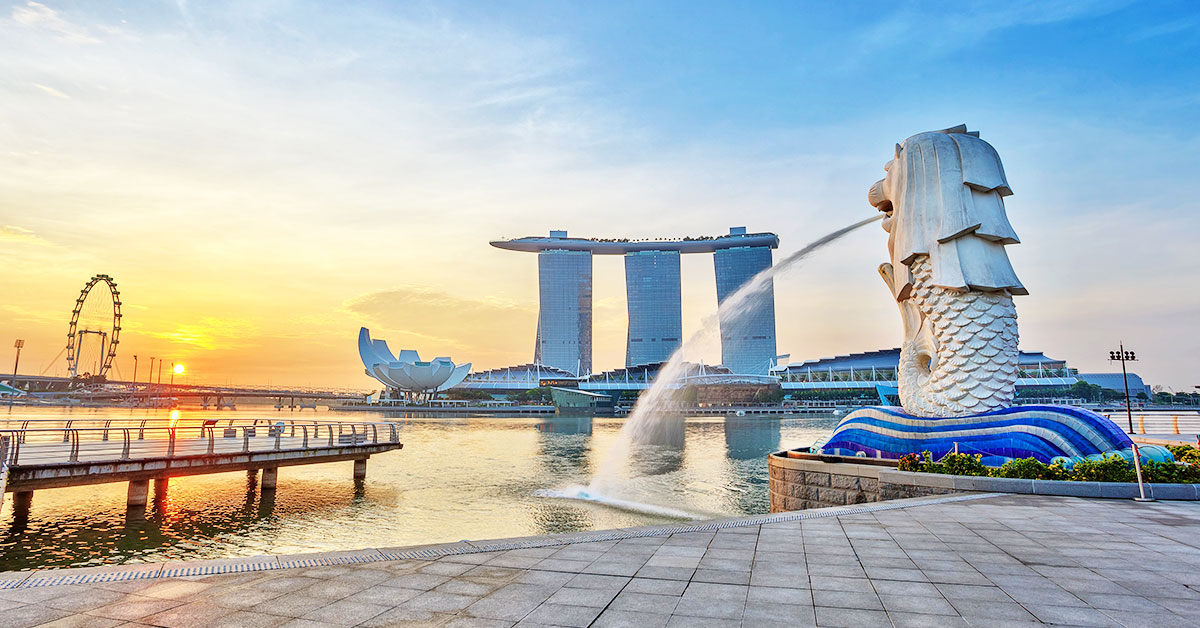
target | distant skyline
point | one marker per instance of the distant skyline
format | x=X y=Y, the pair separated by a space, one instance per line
x=262 y=179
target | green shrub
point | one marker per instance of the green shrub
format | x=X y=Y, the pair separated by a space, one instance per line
x=950 y=464
x=963 y=464
x=910 y=462
x=1030 y=469
x=1170 y=472
x=1113 y=468
x=1185 y=453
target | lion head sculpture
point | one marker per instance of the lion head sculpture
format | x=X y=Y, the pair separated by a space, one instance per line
x=944 y=197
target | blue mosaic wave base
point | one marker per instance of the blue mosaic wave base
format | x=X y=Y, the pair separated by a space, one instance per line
x=1046 y=433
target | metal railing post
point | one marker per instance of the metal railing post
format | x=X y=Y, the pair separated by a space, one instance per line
x=305 y=428
x=74 y=446
x=125 y=445
x=245 y=439
x=170 y=442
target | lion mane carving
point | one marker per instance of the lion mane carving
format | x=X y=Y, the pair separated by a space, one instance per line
x=943 y=197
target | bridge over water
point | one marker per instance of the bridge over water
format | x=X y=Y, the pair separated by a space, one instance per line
x=152 y=393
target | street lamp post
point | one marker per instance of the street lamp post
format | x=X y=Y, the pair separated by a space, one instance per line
x=150 y=380
x=16 y=345
x=1124 y=356
x=1129 y=356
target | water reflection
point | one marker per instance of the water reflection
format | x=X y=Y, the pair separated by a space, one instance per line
x=457 y=477
x=747 y=438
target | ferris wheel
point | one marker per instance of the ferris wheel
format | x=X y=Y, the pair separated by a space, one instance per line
x=95 y=329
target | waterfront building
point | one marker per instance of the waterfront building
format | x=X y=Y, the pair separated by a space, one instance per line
x=747 y=338
x=652 y=281
x=868 y=377
x=652 y=290
x=564 y=331
x=406 y=374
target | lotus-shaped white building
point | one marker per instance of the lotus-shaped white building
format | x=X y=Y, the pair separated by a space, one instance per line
x=406 y=373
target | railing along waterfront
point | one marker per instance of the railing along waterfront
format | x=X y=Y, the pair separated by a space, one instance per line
x=116 y=440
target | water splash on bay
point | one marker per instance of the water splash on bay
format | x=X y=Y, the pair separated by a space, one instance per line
x=660 y=399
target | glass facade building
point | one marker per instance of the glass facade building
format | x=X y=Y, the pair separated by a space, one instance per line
x=564 y=333
x=652 y=290
x=652 y=287
x=748 y=342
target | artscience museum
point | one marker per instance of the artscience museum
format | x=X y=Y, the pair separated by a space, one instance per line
x=405 y=375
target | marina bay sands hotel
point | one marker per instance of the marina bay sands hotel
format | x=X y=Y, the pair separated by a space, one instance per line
x=564 y=334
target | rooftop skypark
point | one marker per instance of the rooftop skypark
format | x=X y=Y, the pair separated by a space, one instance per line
x=558 y=240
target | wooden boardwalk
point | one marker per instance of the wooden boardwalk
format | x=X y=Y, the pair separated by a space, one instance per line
x=57 y=457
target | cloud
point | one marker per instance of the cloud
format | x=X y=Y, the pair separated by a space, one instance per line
x=13 y=233
x=483 y=329
x=53 y=92
x=931 y=32
x=41 y=17
x=208 y=333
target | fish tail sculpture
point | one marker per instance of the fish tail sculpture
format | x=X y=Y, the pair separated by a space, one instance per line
x=959 y=354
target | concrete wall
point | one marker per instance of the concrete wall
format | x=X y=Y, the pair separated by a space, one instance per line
x=798 y=483
x=801 y=480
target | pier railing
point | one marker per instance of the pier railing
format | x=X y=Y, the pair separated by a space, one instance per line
x=127 y=440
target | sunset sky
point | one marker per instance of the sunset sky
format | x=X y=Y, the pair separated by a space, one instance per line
x=262 y=179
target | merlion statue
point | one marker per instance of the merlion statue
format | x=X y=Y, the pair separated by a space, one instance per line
x=944 y=199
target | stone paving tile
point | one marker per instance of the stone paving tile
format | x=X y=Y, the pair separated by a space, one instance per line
x=247 y=619
x=1140 y=619
x=290 y=605
x=655 y=586
x=462 y=587
x=562 y=615
x=644 y=602
x=186 y=615
x=346 y=613
x=402 y=617
x=31 y=615
x=1013 y=560
x=596 y=598
x=718 y=576
x=1072 y=615
x=920 y=620
x=82 y=600
x=439 y=602
x=894 y=603
x=850 y=618
x=666 y=573
x=132 y=607
x=776 y=595
x=687 y=621
x=759 y=613
x=476 y=622
x=630 y=619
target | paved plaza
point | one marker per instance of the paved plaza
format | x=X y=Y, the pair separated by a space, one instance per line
x=983 y=561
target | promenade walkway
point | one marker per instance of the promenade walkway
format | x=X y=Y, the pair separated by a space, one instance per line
x=978 y=560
